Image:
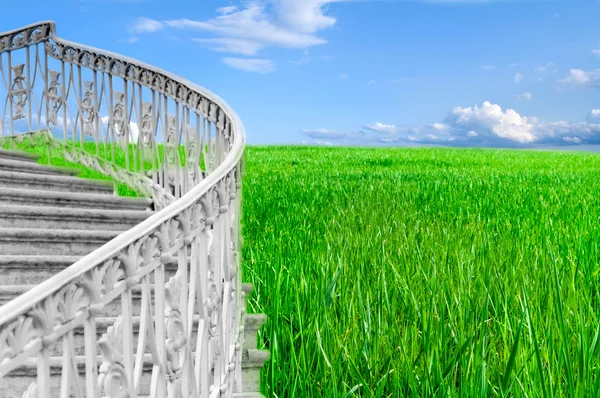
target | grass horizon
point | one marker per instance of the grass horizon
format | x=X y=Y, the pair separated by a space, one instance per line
x=424 y=271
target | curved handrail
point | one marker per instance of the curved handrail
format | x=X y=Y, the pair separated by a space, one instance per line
x=185 y=231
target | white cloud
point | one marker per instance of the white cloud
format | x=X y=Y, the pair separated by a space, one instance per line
x=324 y=143
x=484 y=125
x=574 y=140
x=231 y=45
x=518 y=77
x=491 y=118
x=596 y=51
x=343 y=76
x=279 y=23
x=593 y=116
x=371 y=82
x=250 y=64
x=227 y=10
x=303 y=16
x=440 y=126
x=145 y=25
x=381 y=128
x=130 y=40
x=556 y=15
x=549 y=67
x=488 y=67
x=522 y=97
x=578 y=77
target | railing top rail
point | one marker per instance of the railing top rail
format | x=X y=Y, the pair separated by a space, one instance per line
x=26 y=301
x=51 y=24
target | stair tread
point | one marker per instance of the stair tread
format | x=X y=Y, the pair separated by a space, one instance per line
x=34 y=259
x=31 y=167
x=26 y=156
x=55 y=211
x=56 y=233
x=85 y=197
x=54 y=178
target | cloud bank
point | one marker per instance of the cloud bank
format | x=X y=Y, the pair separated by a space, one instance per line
x=484 y=125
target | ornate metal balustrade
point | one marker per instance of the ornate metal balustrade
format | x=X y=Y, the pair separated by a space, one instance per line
x=172 y=141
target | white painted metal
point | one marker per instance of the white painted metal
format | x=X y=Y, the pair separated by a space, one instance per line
x=62 y=95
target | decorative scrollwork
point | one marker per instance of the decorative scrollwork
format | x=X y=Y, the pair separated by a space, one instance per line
x=88 y=110
x=119 y=116
x=18 y=92
x=192 y=153
x=147 y=125
x=31 y=392
x=176 y=339
x=25 y=37
x=171 y=141
x=54 y=96
x=112 y=377
x=15 y=335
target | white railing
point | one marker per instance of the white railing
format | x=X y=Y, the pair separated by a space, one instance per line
x=129 y=121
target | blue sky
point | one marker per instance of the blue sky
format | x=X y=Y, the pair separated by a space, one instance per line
x=461 y=73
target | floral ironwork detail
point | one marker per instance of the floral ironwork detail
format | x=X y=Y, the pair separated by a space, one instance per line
x=147 y=125
x=54 y=96
x=176 y=343
x=18 y=92
x=118 y=115
x=112 y=376
x=88 y=110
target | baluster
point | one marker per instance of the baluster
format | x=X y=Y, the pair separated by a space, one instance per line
x=111 y=126
x=140 y=123
x=145 y=324
x=183 y=308
x=126 y=125
x=97 y=113
x=202 y=368
x=9 y=89
x=43 y=373
x=91 y=359
x=126 y=309
x=158 y=371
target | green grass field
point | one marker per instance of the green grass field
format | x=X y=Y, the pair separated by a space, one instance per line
x=425 y=272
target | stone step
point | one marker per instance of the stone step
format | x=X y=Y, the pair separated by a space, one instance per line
x=65 y=218
x=27 y=166
x=30 y=197
x=19 y=155
x=68 y=242
x=32 y=270
x=12 y=179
